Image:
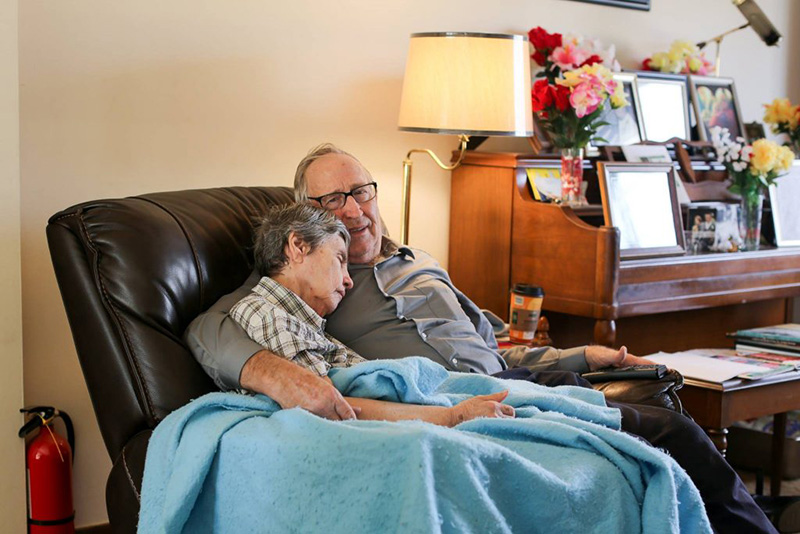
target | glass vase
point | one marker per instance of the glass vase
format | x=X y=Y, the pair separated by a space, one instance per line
x=750 y=219
x=572 y=176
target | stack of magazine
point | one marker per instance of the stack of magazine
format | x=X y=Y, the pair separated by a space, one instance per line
x=781 y=339
x=726 y=367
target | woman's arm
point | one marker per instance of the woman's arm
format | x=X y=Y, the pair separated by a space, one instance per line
x=478 y=406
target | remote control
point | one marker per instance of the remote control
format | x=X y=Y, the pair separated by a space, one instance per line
x=632 y=372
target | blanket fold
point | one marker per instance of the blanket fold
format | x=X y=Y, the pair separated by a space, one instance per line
x=233 y=463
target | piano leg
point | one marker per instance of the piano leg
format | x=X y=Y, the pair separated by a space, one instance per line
x=605 y=332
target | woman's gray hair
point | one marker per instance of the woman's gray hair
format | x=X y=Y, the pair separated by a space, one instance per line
x=300 y=182
x=311 y=224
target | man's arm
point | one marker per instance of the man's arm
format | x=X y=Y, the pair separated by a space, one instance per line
x=218 y=343
x=578 y=359
x=290 y=385
x=233 y=360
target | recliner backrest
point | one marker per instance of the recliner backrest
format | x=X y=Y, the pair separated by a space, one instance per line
x=133 y=273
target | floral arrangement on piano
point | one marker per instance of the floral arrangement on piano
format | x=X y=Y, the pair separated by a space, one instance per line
x=752 y=169
x=575 y=82
x=682 y=57
x=784 y=118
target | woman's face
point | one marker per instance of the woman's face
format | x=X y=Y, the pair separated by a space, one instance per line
x=322 y=276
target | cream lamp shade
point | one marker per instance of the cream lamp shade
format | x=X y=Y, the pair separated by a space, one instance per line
x=467 y=83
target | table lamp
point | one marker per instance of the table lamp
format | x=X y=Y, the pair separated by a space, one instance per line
x=464 y=84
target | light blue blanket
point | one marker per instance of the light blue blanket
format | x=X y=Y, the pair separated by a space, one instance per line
x=233 y=463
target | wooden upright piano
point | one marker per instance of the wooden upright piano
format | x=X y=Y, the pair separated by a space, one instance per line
x=499 y=236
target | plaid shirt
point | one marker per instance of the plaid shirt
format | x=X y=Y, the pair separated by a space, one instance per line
x=285 y=325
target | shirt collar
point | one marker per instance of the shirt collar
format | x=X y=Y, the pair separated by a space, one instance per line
x=288 y=301
x=389 y=248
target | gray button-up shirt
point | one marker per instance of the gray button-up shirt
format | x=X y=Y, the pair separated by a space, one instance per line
x=404 y=305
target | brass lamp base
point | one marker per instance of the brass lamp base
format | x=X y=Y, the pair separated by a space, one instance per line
x=407 y=164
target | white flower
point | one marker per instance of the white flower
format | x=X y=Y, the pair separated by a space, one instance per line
x=746 y=153
x=739 y=166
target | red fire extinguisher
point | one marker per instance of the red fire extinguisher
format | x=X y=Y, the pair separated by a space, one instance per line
x=49 y=465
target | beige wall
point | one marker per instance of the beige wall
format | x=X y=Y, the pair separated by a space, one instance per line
x=119 y=98
x=12 y=458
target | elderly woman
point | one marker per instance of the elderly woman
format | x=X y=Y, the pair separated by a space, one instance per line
x=301 y=254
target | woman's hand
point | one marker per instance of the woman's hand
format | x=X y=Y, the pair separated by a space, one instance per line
x=481 y=406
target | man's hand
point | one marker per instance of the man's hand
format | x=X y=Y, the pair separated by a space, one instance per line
x=290 y=385
x=598 y=357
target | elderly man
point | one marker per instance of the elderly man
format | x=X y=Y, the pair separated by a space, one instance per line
x=403 y=303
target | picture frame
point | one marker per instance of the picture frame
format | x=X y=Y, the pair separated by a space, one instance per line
x=544 y=177
x=784 y=198
x=625 y=124
x=716 y=103
x=712 y=227
x=640 y=199
x=643 y=5
x=664 y=104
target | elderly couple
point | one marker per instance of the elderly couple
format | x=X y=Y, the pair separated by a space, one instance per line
x=388 y=301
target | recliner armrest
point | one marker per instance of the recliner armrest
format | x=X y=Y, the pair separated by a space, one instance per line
x=661 y=392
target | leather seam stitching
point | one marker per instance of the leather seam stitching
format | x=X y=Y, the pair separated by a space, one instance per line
x=107 y=298
x=130 y=478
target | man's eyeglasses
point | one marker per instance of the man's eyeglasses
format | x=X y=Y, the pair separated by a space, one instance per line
x=335 y=201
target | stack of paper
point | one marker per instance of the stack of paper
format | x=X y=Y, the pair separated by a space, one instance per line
x=722 y=365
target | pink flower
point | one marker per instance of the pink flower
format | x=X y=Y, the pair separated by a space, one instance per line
x=586 y=98
x=568 y=56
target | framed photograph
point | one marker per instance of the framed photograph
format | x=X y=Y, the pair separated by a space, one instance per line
x=784 y=197
x=625 y=126
x=715 y=104
x=640 y=200
x=664 y=103
x=712 y=227
x=643 y=5
x=754 y=131
x=545 y=180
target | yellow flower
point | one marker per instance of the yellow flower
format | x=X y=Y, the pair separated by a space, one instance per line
x=573 y=77
x=765 y=156
x=781 y=110
x=785 y=159
x=684 y=48
x=618 y=99
x=695 y=64
x=659 y=61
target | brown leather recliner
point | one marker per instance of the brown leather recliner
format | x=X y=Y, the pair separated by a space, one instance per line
x=133 y=273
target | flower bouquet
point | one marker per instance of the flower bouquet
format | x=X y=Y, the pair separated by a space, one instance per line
x=575 y=82
x=784 y=118
x=752 y=168
x=683 y=57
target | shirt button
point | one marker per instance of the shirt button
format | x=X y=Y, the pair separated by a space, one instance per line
x=424 y=336
x=455 y=361
x=401 y=317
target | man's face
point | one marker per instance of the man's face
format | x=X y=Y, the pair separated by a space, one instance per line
x=323 y=276
x=337 y=173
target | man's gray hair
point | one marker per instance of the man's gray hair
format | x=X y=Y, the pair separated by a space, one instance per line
x=311 y=224
x=300 y=182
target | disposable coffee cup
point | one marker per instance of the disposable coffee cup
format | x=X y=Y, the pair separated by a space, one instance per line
x=526 y=306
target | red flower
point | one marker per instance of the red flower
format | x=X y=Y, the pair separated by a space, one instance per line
x=539 y=58
x=646 y=64
x=561 y=97
x=544 y=95
x=591 y=60
x=541 y=95
x=543 y=41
